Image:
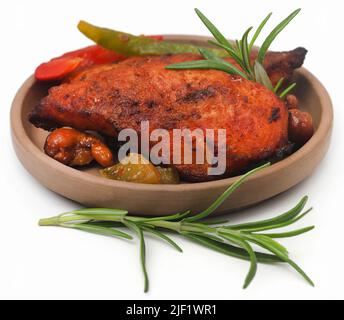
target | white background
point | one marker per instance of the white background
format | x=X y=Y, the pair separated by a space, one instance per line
x=48 y=263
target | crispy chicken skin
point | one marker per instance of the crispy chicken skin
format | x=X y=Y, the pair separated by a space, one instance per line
x=110 y=98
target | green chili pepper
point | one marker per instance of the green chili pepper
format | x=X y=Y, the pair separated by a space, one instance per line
x=130 y=45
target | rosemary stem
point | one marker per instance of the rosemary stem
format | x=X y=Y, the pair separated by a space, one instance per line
x=60 y=220
x=181 y=227
x=194 y=227
x=174 y=226
x=49 y=222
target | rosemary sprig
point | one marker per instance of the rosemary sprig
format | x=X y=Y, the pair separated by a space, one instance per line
x=232 y=240
x=241 y=53
x=274 y=33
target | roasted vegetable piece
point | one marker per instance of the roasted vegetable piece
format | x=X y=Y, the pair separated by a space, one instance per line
x=59 y=68
x=75 y=148
x=300 y=126
x=130 y=45
x=134 y=168
x=168 y=175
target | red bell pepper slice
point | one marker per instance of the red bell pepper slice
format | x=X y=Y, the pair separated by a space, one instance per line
x=94 y=55
x=59 y=68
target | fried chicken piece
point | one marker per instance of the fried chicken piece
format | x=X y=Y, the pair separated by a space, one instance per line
x=282 y=64
x=110 y=98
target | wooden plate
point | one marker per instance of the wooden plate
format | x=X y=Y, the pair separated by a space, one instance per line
x=89 y=189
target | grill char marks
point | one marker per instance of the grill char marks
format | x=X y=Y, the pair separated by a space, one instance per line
x=198 y=95
x=275 y=114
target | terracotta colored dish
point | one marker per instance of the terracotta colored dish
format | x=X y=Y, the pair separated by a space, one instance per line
x=90 y=189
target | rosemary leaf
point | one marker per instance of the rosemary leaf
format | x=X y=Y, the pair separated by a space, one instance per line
x=272 y=36
x=275 y=244
x=238 y=46
x=253 y=259
x=204 y=235
x=261 y=76
x=300 y=271
x=110 y=232
x=287 y=91
x=208 y=64
x=288 y=234
x=237 y=58
x=259 y=30
x=246 y=52
x=230 y=250
x=231 y=51
x=214 y=31
x=279 y=219
x=139 y=232
x=162 y=236
x=225 y=195
x=143 y=259
x=280 y=254
x=278 y=85
x=279 y=225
